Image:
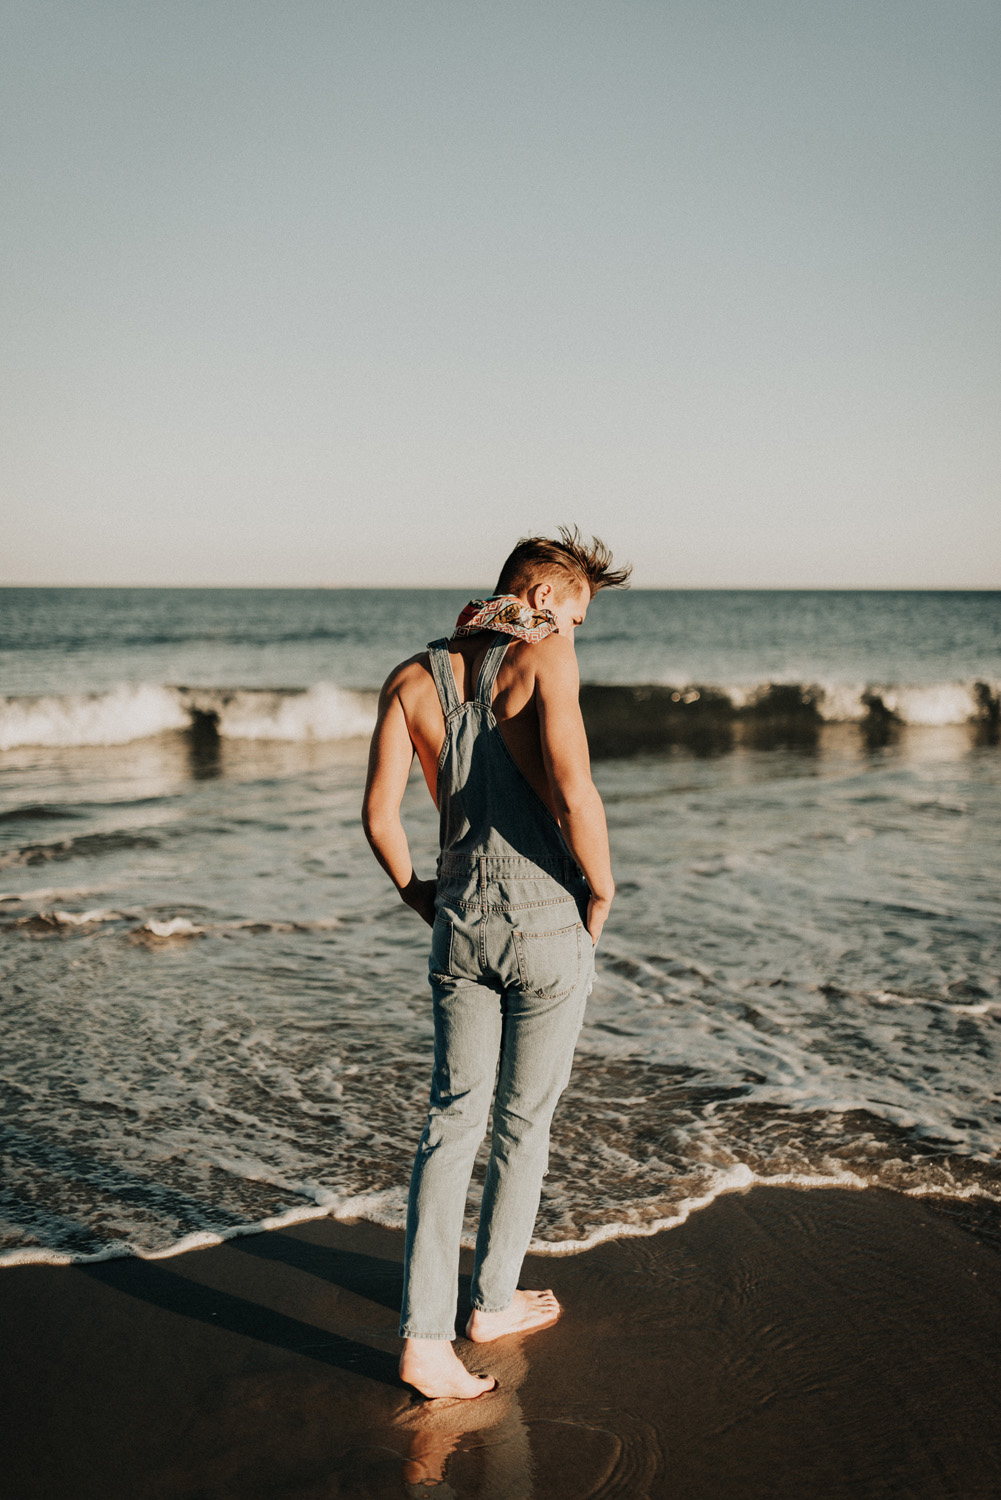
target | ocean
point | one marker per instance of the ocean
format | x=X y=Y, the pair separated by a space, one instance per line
x=215 y=1014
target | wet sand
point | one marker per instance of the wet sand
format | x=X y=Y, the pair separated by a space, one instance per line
x=780 y=1344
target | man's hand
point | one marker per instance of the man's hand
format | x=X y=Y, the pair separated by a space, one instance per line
x=420 y=894
x=597 y=911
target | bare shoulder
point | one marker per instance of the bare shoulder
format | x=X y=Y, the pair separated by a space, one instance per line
x=554 y=661
x=409 y=674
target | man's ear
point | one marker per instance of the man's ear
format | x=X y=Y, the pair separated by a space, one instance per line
x=540 y=595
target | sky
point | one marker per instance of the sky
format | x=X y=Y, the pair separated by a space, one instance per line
x=315 y=292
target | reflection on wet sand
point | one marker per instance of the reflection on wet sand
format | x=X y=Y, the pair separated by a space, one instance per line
x=493 y=1427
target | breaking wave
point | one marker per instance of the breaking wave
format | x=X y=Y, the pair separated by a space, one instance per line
x=645 y=713
x=621 y=719
x=127 y=713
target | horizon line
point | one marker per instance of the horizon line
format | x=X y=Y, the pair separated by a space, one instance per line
x=640 y=588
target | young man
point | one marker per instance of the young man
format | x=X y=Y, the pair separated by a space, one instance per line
x=523 y=889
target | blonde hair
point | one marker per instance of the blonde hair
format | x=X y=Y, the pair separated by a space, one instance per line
x=568 y=563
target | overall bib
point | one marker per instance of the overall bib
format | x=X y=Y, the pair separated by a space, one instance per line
x=511 y=967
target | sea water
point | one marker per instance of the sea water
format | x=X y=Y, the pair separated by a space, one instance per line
x=215 y=1013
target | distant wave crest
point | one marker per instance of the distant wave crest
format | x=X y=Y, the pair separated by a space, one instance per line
x=625 y=719
x=126 y=713
x=329 y=712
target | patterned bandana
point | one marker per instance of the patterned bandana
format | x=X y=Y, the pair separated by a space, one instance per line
x=508 y=614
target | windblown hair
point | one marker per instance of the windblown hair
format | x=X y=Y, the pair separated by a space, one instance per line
x=567 y=564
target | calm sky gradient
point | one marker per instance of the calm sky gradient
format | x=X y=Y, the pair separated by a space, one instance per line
x=324 y=292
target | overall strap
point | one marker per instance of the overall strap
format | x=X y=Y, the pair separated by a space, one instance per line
x=490 y=668
x=444 y=677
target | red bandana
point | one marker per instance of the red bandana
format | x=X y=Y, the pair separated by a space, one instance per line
x=508 y=614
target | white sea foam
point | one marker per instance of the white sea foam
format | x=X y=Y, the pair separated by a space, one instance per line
x=930 y=704
x=112 y=718
x=135 y=712
x=324 y=712
x=85 y=918
x=388 y=1209
x=176 y=927
x=200 y=1240
x=328 y=712
x=842 y=703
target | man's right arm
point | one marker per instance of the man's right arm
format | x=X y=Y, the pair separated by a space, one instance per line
x=568 y=767
x=389 y=763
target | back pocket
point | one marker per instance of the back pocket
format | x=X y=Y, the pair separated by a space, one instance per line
x=453 y=951
x=440 y=960
x=549 y=962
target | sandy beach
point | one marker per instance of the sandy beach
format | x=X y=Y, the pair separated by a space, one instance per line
x=780 y=1343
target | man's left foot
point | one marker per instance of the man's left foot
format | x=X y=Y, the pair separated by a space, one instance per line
x=432 y=1367
x=527 y=1312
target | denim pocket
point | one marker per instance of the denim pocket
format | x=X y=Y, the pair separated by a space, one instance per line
x=549 y=962
x=440 y=960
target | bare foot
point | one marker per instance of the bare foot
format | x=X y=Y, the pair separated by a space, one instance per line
x=432 y=1367
x=528 y=1311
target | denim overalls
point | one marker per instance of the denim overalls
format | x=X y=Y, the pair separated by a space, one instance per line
x=511 y=967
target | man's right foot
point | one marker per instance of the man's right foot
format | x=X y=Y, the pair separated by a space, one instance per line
x=432 y=1367
x=527 y=1312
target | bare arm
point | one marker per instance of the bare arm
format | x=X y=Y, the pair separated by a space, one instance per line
x=568 y=767
x=389 y=762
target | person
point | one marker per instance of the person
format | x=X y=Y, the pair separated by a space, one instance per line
x=523 y=888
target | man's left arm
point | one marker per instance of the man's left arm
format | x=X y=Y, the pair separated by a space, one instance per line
x=389 y=764
x=564 y=752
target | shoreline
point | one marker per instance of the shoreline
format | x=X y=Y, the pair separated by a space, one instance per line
x=967 y=1203
x=973 y=1203
x=780 y=1342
